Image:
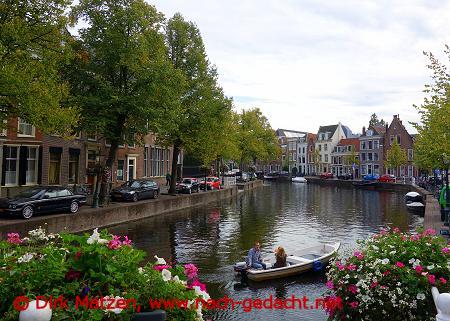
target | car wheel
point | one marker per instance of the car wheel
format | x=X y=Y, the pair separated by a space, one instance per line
x=155 y=194
x=135 y=197
x=74 y=207
x=27 y=212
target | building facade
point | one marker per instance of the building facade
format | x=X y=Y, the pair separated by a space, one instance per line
x=327 y=138
x=345 y=158
x=311 y=145
x=371 y=150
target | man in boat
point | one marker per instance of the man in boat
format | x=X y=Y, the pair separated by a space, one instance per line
x=254 y=257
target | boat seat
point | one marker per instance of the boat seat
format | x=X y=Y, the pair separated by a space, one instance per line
x=297 y=260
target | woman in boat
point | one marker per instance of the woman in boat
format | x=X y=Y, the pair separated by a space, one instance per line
x=280 y=256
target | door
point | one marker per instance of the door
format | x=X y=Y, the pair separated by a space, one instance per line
x=49 y=201
x=131 y=168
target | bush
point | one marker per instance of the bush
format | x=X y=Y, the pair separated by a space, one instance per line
x=390 y=277
x=91 y=266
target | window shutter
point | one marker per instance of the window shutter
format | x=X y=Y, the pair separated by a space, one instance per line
x=23 y=165
x=3 y=165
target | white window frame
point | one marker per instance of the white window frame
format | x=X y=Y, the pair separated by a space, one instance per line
x=36 y=166
x=16 y=183
x=24 y=123
x=4 y=131
x=410 y=154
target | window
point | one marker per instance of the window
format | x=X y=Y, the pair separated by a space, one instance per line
x=92 y=136
x=25 y=129
x=325 y=147
x=363 y=145
x=410 y=171
x=320 y=148
x=4 y=131
x=363 y=156
x=120 y=166
x=398 y=139
x=363 y=170
x=12 y=165
x=349 y=148
x=376 y=144
x=326 y=158
x=375 y=156
x=74 y=163
x=370 y=144
x=63 y=192
x=376 y=169
x=32 y=164
x=410 y=155
x=391 y=139
x=54 y=169
x=145 y=161
x=51 y=194
x=369 y=156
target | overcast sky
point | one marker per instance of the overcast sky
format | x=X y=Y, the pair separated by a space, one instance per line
x=308 y=63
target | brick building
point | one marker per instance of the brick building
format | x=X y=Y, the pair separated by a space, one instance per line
x=341 y=155
x=371 y=151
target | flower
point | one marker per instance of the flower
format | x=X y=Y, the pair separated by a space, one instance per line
x=330 y=285
x=72 y=275
x=354 y=304
x=351 y=267
x=443 y=281
x=420 y=296
x=95 y=238
x=374 y=284
x=199 y=284
x=190 y=270
x=77 y=256
x=446 y=250
x=418 y=269
x=126 y=242
x=358 y=255
x=431 y=279
x=430 y=267
x=400 y=264
x=429 y=231
x=385 y=261
x=340 y=266
x=27 y=257
x=353 y=288
x=166 y=275
x=14 y=238
x=115 y=243
x=161 y=267
x=160 y=261
x=110 y=304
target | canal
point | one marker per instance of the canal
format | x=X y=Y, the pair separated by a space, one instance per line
x=291 y=215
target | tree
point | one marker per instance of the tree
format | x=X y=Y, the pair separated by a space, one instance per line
x=33 y=47
x=194 y=118
x=316 y=159
x=352 y=159
x=374 y=120
x=122 y=78
x=432 y=143
x=395 y=157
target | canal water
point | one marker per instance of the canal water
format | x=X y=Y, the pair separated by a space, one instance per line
x=295 y=216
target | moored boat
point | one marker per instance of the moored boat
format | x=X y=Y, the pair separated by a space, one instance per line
x=308 y=259
x=413 y=197
x=299 y=180
x=272 y=176
x=416 y=207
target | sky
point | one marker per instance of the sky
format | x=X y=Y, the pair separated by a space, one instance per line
x=307 y=63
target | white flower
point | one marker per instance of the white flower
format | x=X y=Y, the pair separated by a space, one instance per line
x=140 y=270
x=385 y=261
x=412 y=261
x=201 y=293
x=430 y=267
x=112 y=303
x=392 y=252
x=177 y=279
x=27 y=257
x=375 y=247
x=160 y=261
x=38 y=234
x=166 y=275
x=420 y=296
x=95 y=238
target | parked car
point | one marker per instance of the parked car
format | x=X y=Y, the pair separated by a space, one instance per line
x=242 y=177
x=135 y=190
x=371 y=177
x=211 y=183
x=387 y=178
x=326 y=175
x=188 y=186
x=345 y=176
x=42 y=199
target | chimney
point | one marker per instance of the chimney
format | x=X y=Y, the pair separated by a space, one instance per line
x=364 y=130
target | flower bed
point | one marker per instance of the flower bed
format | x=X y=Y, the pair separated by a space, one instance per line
x=390 y=278
x=92 y=266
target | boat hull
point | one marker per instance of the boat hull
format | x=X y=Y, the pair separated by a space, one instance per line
x=295 y=269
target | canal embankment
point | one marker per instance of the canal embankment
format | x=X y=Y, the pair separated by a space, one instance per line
x=117 y=213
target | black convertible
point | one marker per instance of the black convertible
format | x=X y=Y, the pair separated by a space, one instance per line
x=135 y=190
x=41 y=199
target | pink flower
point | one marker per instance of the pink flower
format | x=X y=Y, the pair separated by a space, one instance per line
x=415 y=237
x=354 y=304
x=161 y=267
x=444 y=250
x=340 y=266
x=353 y=289
x=396 y=230
x=115 y=243
x=386 y=273
x=351 y=267
x=126 y=242
x=404 y=238
x=374 y=284
x=400 y=264
x=201 y=285
x=429 y=231
x=431 y=278
x=14 y=238
x=330 y=285
x=418 y=269
x=190 y=270
x=443 y=281
x=359 y=255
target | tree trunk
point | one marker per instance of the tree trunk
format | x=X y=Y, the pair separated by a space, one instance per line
x=173 y=176
x=105 y=181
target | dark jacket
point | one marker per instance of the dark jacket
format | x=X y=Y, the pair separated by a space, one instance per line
x=281 y=261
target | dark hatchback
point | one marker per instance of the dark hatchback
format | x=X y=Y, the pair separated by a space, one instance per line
x=42 y=199
x=135 y=190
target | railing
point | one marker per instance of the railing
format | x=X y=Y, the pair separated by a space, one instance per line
x=442 y=302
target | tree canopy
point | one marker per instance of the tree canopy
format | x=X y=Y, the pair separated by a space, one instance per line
x=374 y=120
x=33 y=48
x=395 y=156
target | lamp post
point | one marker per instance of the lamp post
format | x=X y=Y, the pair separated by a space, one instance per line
x=447 y=192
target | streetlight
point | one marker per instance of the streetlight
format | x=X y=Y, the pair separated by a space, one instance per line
x=447 y=191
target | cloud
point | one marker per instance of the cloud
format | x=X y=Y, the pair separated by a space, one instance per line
x=307 y=63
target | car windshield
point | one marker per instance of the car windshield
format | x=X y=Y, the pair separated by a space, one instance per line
x=30 y=193
x=133 y=184
x=186 y=181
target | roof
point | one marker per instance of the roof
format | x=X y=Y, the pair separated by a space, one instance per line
x=290 y=133
x=379 y=129
x=312 y=136
x=350 y=141
x=328 y=129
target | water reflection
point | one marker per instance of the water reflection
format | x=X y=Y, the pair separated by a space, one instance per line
x=294 y=216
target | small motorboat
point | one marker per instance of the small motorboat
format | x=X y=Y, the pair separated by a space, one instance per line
x=272 y=176
x=416 y=207
x=299 y=180
x=413 y=197
x=310 y=259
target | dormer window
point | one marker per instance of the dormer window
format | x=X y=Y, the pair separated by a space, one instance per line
x=25 y=129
